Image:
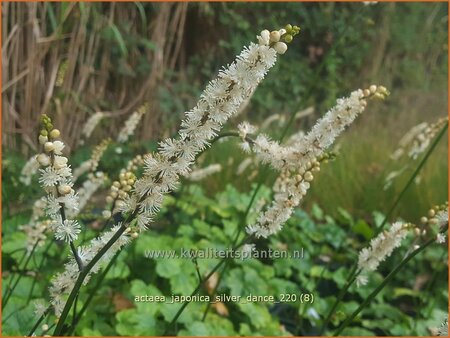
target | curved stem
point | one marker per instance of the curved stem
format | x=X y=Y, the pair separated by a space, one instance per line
x=380 y=287
x=10 y=289
x=92 y=294
x=81 y=277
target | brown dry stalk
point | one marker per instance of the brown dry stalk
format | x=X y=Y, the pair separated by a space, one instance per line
x=45 y=41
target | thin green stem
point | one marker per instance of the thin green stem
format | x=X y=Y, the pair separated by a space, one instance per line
x=380 y=287
x=197 y=289
x=238 y=232
x=10 y=289
x=82 y=276
x=41 y=263
x=39 y=321
x=413 y=177
x=92 y=294
x=351 y=278
x=397 y=201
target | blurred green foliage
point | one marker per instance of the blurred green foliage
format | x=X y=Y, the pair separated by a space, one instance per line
x=412 y=304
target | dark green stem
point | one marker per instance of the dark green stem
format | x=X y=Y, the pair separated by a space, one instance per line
x=413 y=176
x=92 y=294
x=41 y=318
x=10 y=289
x=351 y=278
x=197 y=289
x=41 y=263
x=82 y=276
x=380 y=287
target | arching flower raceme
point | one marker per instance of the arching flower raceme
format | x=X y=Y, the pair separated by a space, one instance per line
x=91 y=124
x=301 y=157
x=131 y=124
x=200 y=174
x=418 y=138
x=380 y=248
x=222 y=98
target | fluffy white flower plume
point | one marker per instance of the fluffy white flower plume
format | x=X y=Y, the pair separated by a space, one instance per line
x=380 y=248
x=92 y=163
x=443 y=329
x=301 y=157
x=29 y=170
x=199 y=174
x=63 y=282
x=417 y=139
x=88 y=188
x=67 y=230
x=131 y=124
x=221 y=99
x=91 y=123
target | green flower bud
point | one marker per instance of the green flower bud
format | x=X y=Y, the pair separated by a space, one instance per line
x=288 y=38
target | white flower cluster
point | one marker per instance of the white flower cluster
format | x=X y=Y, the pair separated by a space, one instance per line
x=91 y=123
x=35 y=232
x=380 y=248
x=89 y=187
x=29 y=170
x=417 y=139
x=199 y=174
x=441 y=220
x=131 y=124
x=301 y=157
x=221 y=99
x=289 y=191
x=35 y=229
x=63 y=282
x=443 y=329
x=56 y=179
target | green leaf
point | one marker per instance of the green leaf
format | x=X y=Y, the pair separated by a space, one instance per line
x=317 y=212
x=168 y=268
x=362 y=228
x=258 y=314
x=183 y=283
x=130 y=322
x=14 y=242
x=398 y=292
x=118 y=37
x=90 y=333
x=119 y=270
x=357 y=331
x=319 y=271
x=344 y=217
